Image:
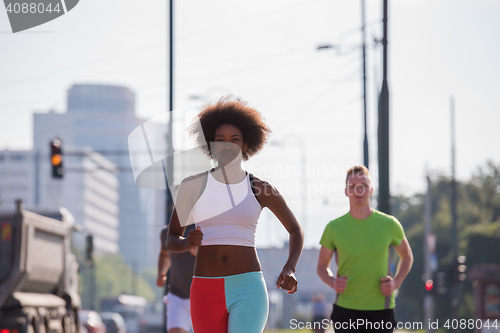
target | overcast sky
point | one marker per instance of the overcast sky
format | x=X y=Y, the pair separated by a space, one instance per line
x=265 y=52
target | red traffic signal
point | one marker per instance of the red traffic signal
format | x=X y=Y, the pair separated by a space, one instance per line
x=56 y=158
x=429 y=284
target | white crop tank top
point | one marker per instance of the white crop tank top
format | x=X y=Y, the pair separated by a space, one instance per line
x=227 y=213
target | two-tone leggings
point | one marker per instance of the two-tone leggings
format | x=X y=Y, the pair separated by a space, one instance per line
x=228 y=304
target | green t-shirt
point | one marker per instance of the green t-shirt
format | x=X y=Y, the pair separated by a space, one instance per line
x=363 y=250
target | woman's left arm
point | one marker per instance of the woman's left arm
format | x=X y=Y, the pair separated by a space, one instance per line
x=269 y=197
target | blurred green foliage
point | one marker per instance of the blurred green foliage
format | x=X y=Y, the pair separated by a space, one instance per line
x=479 y=237
x=114 y=277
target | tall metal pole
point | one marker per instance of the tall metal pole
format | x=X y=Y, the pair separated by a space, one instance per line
x=428 y=298
x=383 y=131
x=93 y=286
x=170 y=149
x=37 y=178
x=454 y=228
x=134 y=279
x=366 y=159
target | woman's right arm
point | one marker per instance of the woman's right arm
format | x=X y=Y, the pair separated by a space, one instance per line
x=176 y=242
x=181 y=217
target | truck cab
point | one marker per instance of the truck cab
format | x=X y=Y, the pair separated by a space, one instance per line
x=38 y=272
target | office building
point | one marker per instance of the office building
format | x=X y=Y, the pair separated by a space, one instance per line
x=89 y=192
x=101 y=117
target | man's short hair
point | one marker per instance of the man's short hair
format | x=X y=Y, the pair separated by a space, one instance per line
x=358 y=171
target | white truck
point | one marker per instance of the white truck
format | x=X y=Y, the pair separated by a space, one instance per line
x=38 y=272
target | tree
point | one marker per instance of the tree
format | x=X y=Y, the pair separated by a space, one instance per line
x=479 y=236
x=114 y=277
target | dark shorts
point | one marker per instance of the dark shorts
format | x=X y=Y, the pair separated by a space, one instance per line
x=377 y=321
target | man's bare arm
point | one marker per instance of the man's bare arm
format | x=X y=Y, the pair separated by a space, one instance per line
x=405 y=262
x=163 y=260
x=389 y=284
x=325 y=273
x=323 y=268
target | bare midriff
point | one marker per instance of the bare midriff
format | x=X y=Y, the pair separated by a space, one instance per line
x=223 y=260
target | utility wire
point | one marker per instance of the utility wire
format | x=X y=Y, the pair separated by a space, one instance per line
x=350 y=78
x=250 y=18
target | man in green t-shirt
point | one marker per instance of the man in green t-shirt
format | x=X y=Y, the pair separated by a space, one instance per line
x=361 y=241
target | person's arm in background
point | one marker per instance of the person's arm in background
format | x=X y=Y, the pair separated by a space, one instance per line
x=405 y=254
x=163 y=260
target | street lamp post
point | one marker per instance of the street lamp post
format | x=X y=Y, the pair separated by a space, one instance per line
x=169 y=200
x=366 y=158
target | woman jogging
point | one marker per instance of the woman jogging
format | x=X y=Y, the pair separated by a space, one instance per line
x=228 y=293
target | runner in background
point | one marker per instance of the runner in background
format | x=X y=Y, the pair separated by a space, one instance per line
x=318 y=312
x=179 y=284
x=362 y=241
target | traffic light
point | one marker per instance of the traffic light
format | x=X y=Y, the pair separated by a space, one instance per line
x=89 y=250
x=56 y=158
x=429 y=285
x=461 y=268
x=441 y=285
x=456 y=272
